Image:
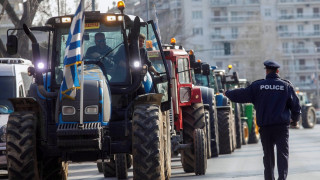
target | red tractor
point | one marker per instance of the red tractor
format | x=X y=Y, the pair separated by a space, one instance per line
x=188 y=134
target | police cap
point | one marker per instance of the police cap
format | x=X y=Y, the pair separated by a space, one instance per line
x=270 y=64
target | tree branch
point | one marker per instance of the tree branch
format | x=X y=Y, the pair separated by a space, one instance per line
x=11 y=12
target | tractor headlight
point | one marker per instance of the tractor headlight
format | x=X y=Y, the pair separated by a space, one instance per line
x=68 y=110
x=185 y=94
x=91 y=109
x=136 y=64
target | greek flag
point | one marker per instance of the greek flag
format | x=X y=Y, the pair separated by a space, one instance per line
x=156 y=23
x=73 y=54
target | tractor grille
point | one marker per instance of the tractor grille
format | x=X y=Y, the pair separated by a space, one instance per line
x=71 y=137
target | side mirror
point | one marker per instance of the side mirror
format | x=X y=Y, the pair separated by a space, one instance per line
x=235 y=77
x=86 y=37
x=12 y=44
x=31 y=71
x=206 y=69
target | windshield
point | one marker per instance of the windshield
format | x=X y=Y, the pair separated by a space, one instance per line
x=7 y=90
x=201 y=80
x=103 y=44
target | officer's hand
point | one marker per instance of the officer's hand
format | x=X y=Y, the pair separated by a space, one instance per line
x=294 y=125
x=157 y=73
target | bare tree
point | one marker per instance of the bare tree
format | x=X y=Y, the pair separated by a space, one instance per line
x=30 y=8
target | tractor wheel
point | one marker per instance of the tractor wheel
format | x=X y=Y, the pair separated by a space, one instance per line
x=193 y=118
x=225 y=131
x=254 y=135
x=167 y=142
x=214 y=133
x=237 y=115
x=245 y=133
x=208 y=133
x=147 y=143
x=129 y=161
x=22 y=151
x=121 y=166
x=109 y=168
x=308 y=117
x=99 y=166
x=199 y=145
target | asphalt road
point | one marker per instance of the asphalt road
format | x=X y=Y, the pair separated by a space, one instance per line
x=243 y=164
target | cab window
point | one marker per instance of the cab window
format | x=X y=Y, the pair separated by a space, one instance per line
x=183 y=71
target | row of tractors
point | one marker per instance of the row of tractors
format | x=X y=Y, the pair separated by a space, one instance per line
x=122 y=115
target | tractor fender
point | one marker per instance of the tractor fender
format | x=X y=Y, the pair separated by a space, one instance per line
x=207 y=95
x=151 y=98
x=222 y=100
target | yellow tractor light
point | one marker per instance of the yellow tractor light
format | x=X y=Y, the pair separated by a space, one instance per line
x=66 y=19
x=173 y=41
x=199 y=60
x=121 y=5
x=149 y=44
x=191 y=52
x=111 y=18
x=229 y=66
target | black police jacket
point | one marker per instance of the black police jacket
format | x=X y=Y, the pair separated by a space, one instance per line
x=274 y=99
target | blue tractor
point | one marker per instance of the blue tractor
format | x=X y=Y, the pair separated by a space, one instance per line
x=120 y=118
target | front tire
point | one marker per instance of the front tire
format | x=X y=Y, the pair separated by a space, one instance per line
x=121 y=166
x=208 y=133
x=147 y=143
x=200 y=152
x=237 y=115
x=225 y=131
x=214 y=133
x=308 y=117
x=245 y=133
x=193 y=118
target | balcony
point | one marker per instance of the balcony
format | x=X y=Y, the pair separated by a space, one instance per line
x=224 y=3
x=234 y=19
x=285 y=35
x=291 y=2
x=298 y=17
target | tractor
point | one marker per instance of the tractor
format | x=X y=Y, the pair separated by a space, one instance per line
x=228 y=123
x=114 y=120
x=188 y=132
x=204 y=78
x=308 y=112
x=250 y=133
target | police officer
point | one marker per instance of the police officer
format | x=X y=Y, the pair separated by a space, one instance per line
x=277 y=107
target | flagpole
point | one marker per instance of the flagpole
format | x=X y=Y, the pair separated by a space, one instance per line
x=81 y=85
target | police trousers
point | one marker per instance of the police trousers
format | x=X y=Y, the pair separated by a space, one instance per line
x=278 y=136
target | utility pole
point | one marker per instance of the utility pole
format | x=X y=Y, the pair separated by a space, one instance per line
x=93 y=5
x=147 y=10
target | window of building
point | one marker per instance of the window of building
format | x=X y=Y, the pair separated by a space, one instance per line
x=285 y=47
x=234 y=32
x=267 y=12
x=302 y=78
x=217 y=31
x=316 y=12
x=299 y=12
x=300 y=30
x=317 y=44
x=197 y=31
x=316 y=29
x=302 y=62
x=283 y=13
x=234 y=16
x=196 y=14
x=233 y=1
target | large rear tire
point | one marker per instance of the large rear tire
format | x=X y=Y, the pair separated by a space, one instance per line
x=147 y=143
x=200 y=152
x=208 y=133
x=214 y=133
x=22 y=151
x=225 y=131
x=237 y=115
x=193 y=118
x=308 y=117
x=254 y=135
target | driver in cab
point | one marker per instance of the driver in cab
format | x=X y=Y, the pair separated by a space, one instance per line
x=100 y=49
